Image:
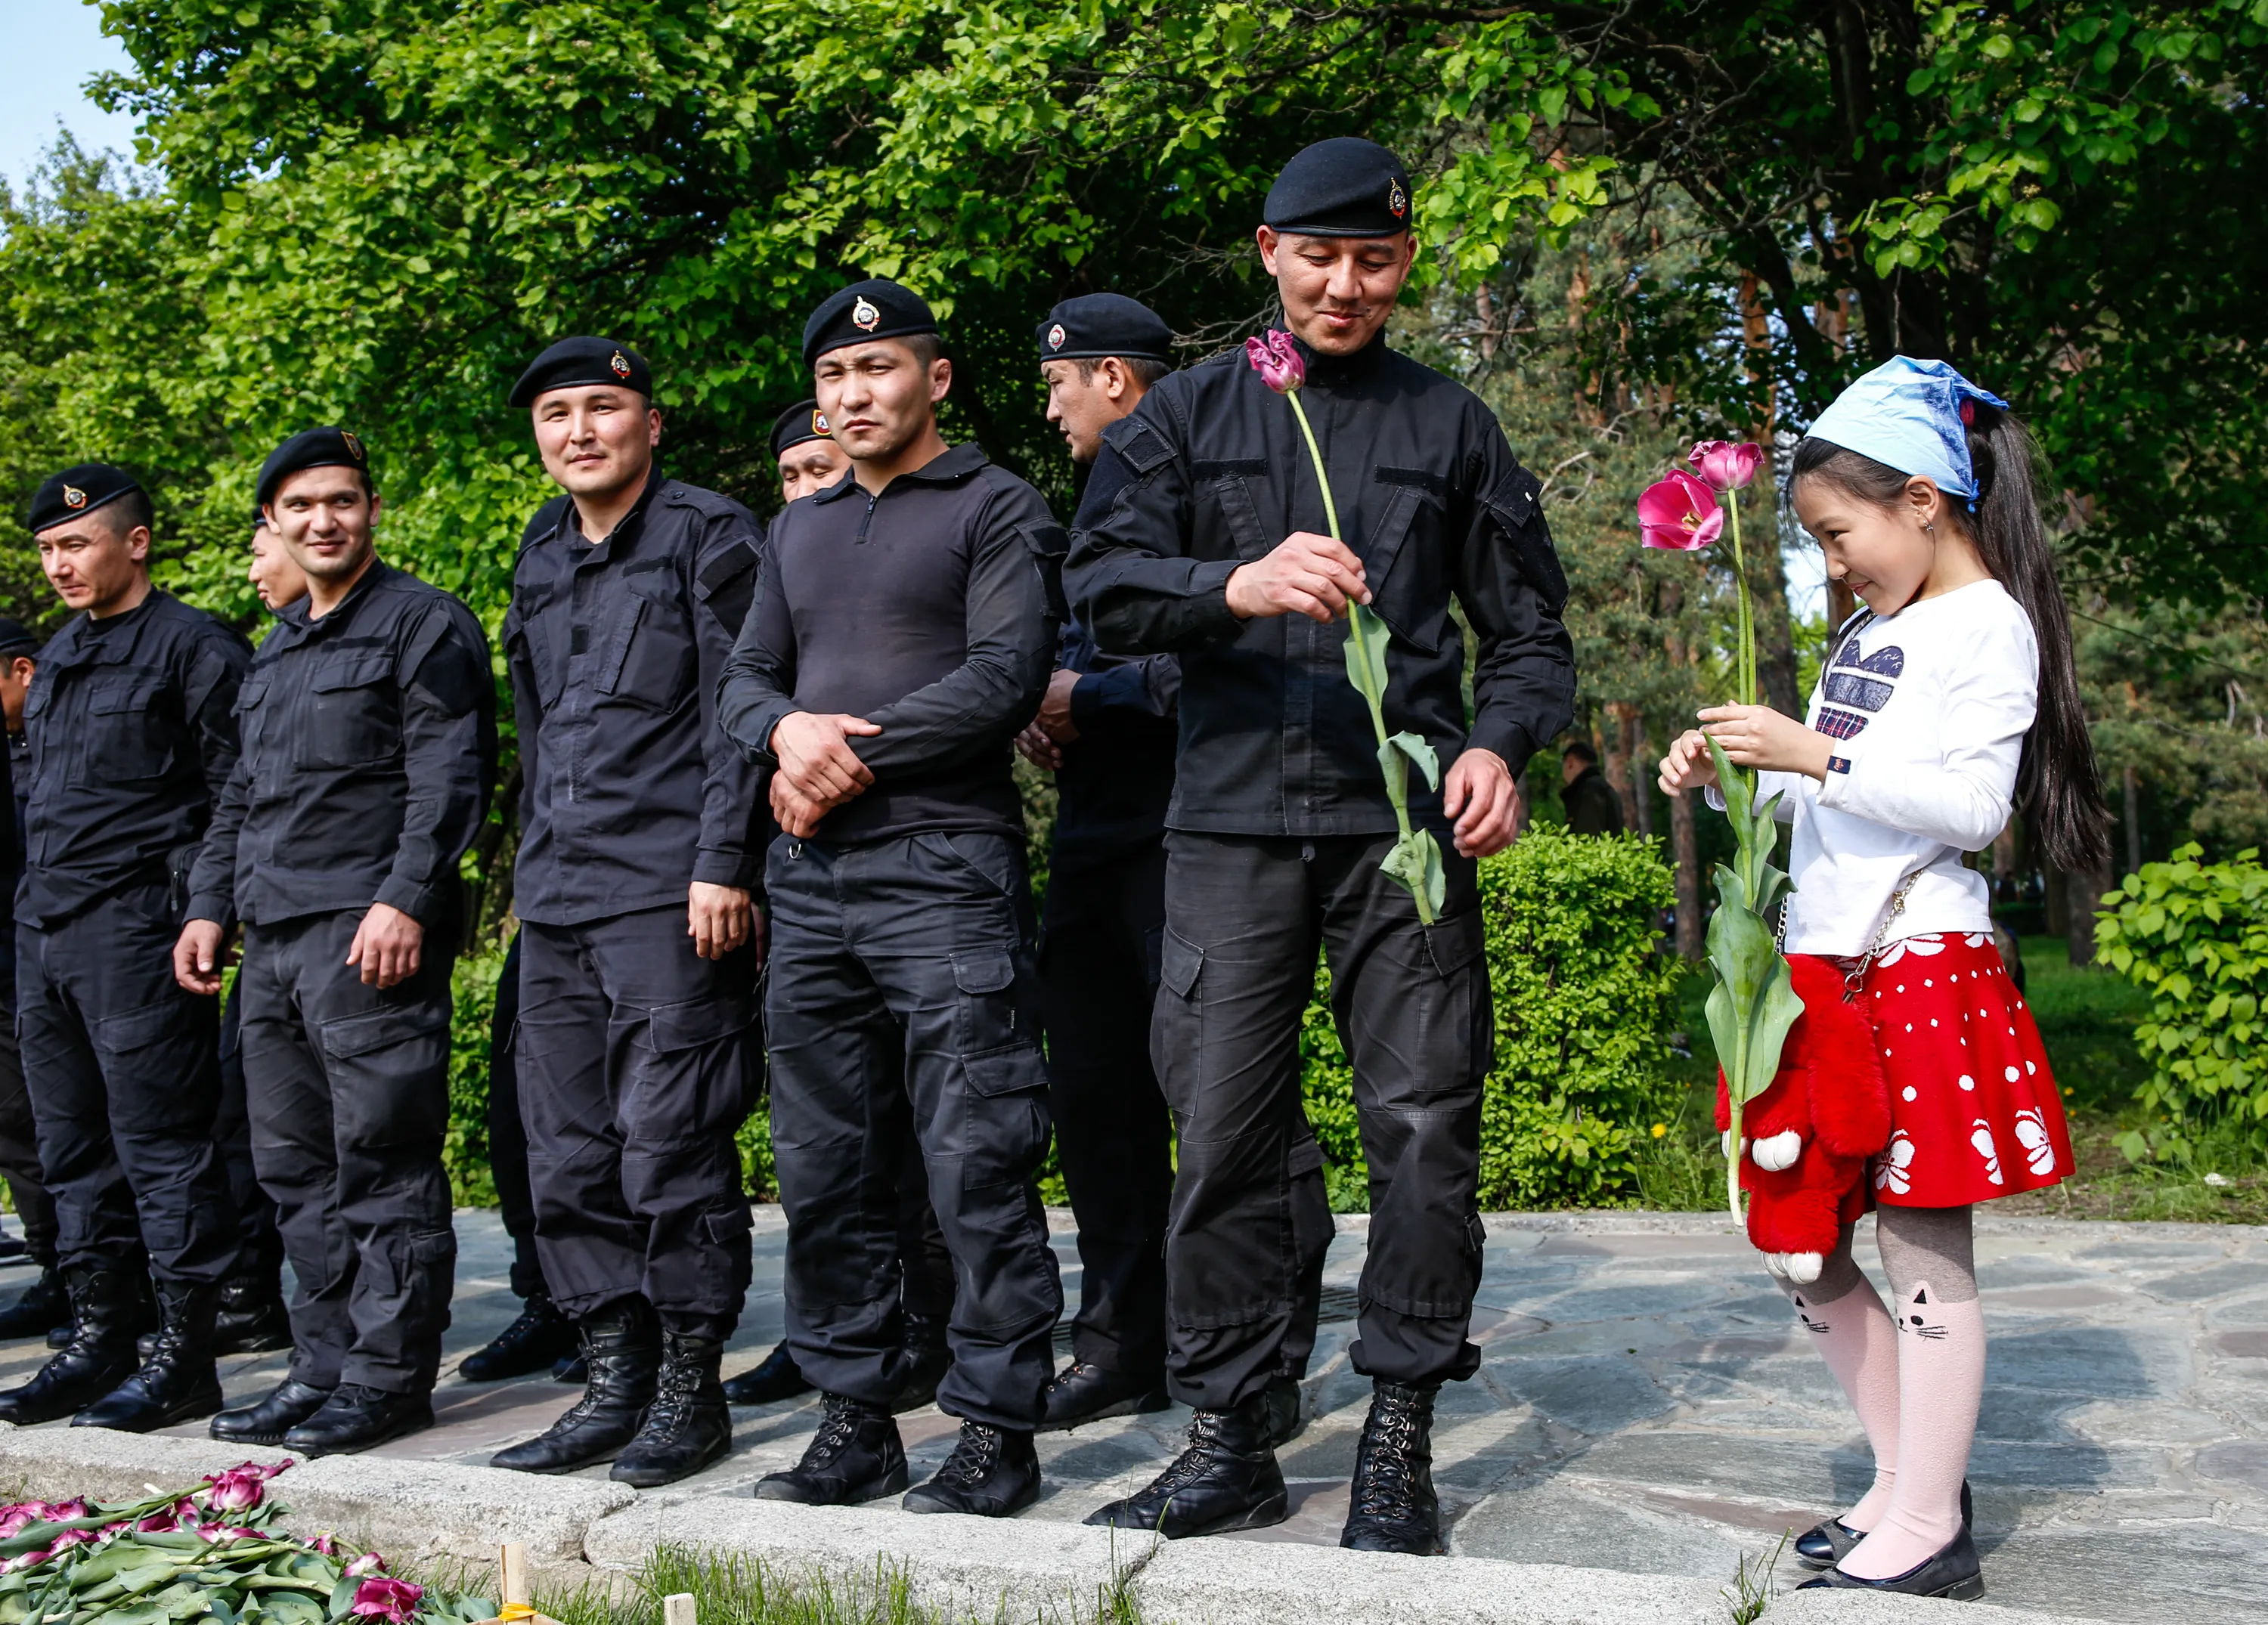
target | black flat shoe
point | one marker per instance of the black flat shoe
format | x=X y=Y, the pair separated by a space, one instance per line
x=855 y=1456
x=1952 y=1573
x=991 y=1473
x=268 y=1418
x=1081 y=1394
x=1822 y=1545
x=536 y=1341
x=357 y=1418
x=1226 y=1479
x=775 y=1377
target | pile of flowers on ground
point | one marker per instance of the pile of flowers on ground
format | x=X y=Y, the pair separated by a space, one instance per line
x=210 y=1552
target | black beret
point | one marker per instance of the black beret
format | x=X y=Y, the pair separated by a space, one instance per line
x=574 y=363
x=1104 y=324
x=16 y=639
x=311 y=448
x=79 y=490
x=1345 y=187
x=259 y=516
x=802 y=421
x=877 y=309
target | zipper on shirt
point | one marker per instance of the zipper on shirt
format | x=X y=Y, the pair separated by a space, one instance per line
x=865 y=523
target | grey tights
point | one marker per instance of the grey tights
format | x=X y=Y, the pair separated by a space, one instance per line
x=1936 y=1245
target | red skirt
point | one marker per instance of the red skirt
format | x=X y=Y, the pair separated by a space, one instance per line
x=1975 y=1112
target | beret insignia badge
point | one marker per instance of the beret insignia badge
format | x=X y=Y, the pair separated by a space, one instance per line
x=864 y=316
x=1056 y=336
x=819 y=422
x=619 y=364
x=354 y=447
x=1397 y=202
x=74 y=497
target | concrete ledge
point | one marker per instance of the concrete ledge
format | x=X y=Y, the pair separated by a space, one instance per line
x=963 y=1567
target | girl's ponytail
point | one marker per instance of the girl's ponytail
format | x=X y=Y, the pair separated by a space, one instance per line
x=2058 y=786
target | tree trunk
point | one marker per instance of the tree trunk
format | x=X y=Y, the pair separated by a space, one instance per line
x=2083 y=897
x=1687 y=852
x=1641 y=772
x=2133 y=819
x=1616 y=764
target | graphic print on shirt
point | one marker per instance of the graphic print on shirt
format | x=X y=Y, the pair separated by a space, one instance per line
x=1857 y=685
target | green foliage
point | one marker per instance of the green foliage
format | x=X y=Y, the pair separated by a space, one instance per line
x=2196 y=936
x=1583 y=1005
x=465 y=1152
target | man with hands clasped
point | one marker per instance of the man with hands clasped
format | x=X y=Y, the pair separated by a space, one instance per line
x=368 y=721
x=1202 y=533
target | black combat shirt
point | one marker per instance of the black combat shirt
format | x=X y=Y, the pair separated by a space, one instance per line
x=1117 y=776
x=369 y=749
x=1210 y=471
x=129 y=739
x=631 y=791
x=930 y=609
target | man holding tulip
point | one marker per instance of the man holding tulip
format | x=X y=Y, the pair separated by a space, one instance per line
x=1204 y=532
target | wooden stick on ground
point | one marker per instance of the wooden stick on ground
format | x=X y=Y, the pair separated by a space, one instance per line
x=512 y=1589
x=677 y=1609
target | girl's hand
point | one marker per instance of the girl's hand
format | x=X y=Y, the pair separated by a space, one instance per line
x=1687 y=767
x=1756 y=736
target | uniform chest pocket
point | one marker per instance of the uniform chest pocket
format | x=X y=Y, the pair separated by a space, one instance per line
x=251 y=700
x=1240 y=513
x=652 y=662
x=352 y=717
x=1402 y=559
x=128 y=736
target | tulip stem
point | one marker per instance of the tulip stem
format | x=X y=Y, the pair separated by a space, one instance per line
x=1744 y=675
x=1330 y=509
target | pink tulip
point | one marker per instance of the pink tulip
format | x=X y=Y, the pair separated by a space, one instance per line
x=369 y=1563
x=239 y=1489
x=1277 y=360
x=382 y=1598
x=328 y=1544
x=1679 y=513
x=15 y=1517
x=1727 y=467
x=59 y=1511
x=218 y=1533
x=160 y=1523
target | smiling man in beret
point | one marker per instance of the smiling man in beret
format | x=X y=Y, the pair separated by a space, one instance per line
x=369 y=720
x=901 y=973
x=131 y=739
x=640 y=935
x=1202 y=534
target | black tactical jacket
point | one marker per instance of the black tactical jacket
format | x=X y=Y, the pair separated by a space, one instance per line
x=1210 y=471
x=369 y=750
x=129 y=741
x=1117 y=776
x=632 y=791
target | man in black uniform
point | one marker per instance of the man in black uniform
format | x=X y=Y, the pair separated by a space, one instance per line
x=644 y=831
x=369 y=721
x=901 y=636
x=43 y=1306
x=131 y=740
x=1201 y=532
x=1107 y=729
x=1593 y=808
x=809 y=461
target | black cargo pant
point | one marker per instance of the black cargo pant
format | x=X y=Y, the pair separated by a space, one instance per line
x=637 y=1061
x=508 y=1133
x=19 y=1138
x=259 y=1244
x=1244 y=917
x=123 y=1071
x=349 y=1088
x=902 y=979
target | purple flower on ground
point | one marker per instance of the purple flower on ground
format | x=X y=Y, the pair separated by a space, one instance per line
x=383 y=1599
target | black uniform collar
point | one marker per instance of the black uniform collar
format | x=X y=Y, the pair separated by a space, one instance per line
x=570 y=517
x=294 y=614
x=955 y=462
x=93 y=648
x=1340 y=371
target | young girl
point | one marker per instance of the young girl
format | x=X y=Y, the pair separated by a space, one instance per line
x=1949 y=699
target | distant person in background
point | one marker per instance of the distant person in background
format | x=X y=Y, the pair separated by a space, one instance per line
x=1593 y=808
x=43 y=1306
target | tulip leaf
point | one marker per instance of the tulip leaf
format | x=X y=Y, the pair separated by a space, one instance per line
x=1754 y=1003
x=1365 y=654
x=1416 y=861
x=1414 y=747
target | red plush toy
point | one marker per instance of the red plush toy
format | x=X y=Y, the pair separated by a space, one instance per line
x=1807 y=1138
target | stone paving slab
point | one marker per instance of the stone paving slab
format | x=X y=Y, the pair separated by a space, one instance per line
x=1646 y=1405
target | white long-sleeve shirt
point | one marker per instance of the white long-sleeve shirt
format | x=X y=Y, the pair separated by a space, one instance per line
x=1928 y=709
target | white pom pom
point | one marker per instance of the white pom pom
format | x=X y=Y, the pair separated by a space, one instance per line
x=1803 y=1268
x=1779 y=1150
x=1777 y=1262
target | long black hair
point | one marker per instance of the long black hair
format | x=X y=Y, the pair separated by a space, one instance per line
x=2058 y=789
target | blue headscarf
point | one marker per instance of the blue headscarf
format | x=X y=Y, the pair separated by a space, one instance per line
x=1906 y=414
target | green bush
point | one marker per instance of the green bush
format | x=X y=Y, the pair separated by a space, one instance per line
x=1584 y=1010
x=2195 y=936
x=465 y=1153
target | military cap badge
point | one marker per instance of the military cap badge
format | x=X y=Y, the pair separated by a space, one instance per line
x=621 y=364
x=1396 y=201
x=1056 y=336
x=864 y=316
x=819 y=425
x=354 y=447
x=74 y=497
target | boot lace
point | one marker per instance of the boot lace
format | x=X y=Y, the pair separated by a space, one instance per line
x=975 y=1454
x=838 y=1430
x=1195 y=1462
x=672 y=1407
x=1386 y=1481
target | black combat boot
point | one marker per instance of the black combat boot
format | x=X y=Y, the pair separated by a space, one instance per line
x=855 y=1456
x=1081 y=1394
x=105 y=1306
x=177 y=1383
x=272 y=1416
x=253 y=1319
x=41 y=1308
x=689 y=1425
x=991 y=1473
x=1286 y=1409
x=929 y=1359
x=1393 y=1508
x=622 y=1344
x=1226 y=1479
x=777 y=1378
x=535 y=1341
x=357 y=1417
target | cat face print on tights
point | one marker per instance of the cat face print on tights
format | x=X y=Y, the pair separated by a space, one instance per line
x=1919 y=1317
